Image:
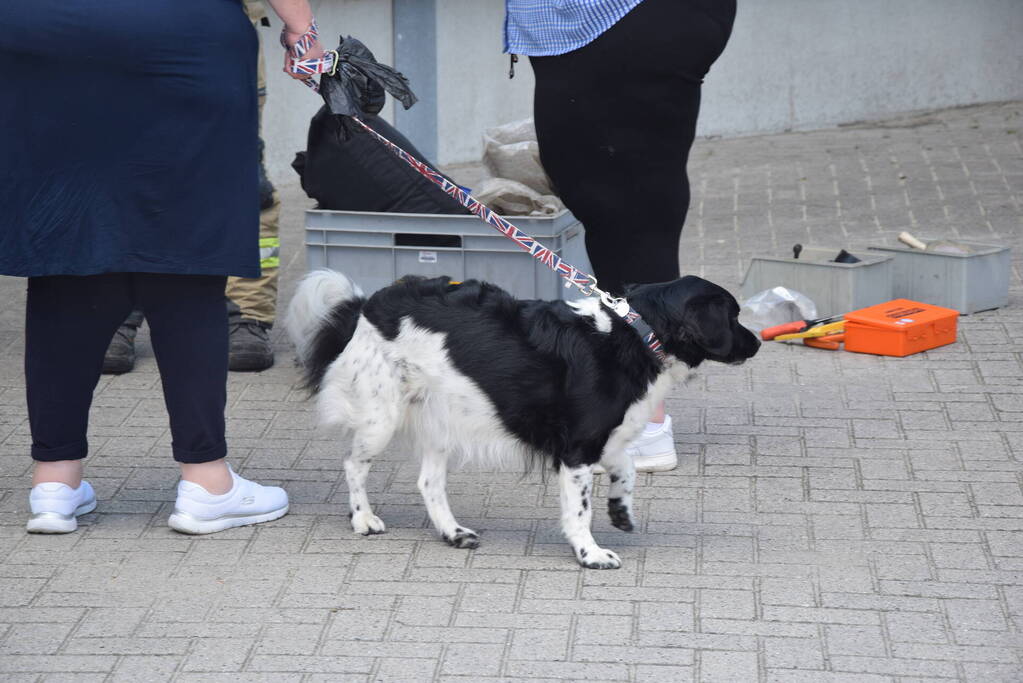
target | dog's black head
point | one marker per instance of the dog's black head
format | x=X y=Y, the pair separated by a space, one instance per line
x=696 y=320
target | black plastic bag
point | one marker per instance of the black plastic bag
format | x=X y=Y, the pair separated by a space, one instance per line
x=357 y=84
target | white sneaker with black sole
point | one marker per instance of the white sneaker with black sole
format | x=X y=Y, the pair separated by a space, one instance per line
x=197 y=511
x=56 y=507
x=653 y=450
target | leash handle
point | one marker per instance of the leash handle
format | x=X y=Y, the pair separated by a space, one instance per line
x=327 y=64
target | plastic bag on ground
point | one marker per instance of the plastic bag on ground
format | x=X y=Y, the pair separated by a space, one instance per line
x=776 y=306
x=511 y=151
x=510 y=133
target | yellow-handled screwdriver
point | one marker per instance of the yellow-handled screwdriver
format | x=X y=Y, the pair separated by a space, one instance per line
x=819 y=331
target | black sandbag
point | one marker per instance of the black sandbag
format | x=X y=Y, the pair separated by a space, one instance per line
x=353 y=171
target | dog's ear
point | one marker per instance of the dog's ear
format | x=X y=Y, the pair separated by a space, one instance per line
x=708 y=323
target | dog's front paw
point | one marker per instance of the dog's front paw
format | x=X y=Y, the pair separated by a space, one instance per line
x=463 y=538
x=598 y=558
x=366 y=523
x=621 y=515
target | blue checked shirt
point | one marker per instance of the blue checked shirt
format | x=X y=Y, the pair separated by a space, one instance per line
x=553 y=27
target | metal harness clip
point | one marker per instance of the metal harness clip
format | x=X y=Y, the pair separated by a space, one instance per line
x=619 y=305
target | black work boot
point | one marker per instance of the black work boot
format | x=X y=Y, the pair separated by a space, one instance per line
x=120 y=356
x=250 y=348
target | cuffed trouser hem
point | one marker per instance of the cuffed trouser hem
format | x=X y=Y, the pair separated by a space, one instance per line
x=197 y=457
x=68 y=325
x=75 y=451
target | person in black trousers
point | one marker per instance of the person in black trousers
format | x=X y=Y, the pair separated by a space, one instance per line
x=615 y=120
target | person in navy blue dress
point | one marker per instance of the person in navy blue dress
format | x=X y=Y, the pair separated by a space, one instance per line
x=128 y=179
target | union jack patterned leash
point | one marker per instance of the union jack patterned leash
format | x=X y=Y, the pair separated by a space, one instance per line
x=586 y=283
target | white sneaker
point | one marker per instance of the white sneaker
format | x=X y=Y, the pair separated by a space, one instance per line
x=197 y=511
x=651 y=451
x=654 y=450
x=56 y=507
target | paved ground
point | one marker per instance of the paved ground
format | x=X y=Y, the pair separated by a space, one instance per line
x=836 y=517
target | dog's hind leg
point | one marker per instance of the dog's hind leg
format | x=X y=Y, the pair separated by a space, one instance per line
x=621 y=473
x=576 y=515
x=364 y=447
x=433 y=485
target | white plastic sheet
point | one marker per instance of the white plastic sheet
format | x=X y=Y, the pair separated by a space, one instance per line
x=776 y=306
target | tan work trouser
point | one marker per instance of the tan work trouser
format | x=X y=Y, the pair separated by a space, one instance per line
x=257 y=297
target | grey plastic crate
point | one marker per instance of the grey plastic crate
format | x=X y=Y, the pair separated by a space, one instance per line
x=375 y=249
x=966 y=282
x=835 y=288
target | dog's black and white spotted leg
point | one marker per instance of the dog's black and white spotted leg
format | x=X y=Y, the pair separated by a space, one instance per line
x=433 y=485
x=356 y=471
x=621 y=474
x=576 y=515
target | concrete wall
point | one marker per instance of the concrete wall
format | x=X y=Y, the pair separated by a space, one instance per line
x=800 y=64
x=474 y=91
x=791 y=64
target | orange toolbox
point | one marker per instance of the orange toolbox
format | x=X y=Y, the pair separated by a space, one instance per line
x=899 y=328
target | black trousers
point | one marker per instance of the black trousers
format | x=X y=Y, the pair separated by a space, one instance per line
x=69 y=323
x=615 y=120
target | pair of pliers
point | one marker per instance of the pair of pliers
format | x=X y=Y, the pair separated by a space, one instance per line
x=769 y=333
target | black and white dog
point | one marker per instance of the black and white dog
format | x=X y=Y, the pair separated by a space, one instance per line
x=466 y=371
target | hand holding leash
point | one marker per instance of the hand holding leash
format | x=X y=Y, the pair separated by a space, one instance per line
x=304 y=57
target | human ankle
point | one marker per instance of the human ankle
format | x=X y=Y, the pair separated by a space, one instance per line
x=653 y=427
x=67 y=472
x=213 y=476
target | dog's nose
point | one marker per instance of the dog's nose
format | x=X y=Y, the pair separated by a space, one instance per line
x=754 y=345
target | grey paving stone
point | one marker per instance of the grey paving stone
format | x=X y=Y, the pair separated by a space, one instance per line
x=666 y=617
x=473 y=660
x=663 y=674
x=214 y=654
x=405 y=670
x=996 y=673
x=865 y=641
x=539 y=645
x=793 y=653
x=975 y=614
x=721 y=666
x=145 y=668
x=835 y=517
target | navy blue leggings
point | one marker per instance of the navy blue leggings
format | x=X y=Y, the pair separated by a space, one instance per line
x=69 y=323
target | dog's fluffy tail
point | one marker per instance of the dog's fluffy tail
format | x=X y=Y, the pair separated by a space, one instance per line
x=321 y=321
